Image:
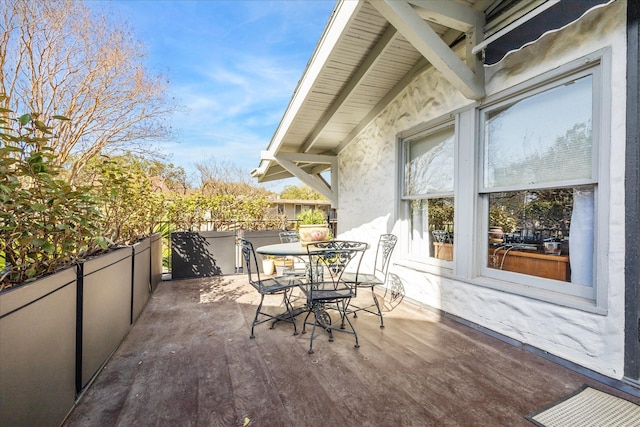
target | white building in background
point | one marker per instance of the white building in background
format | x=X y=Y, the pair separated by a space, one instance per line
x=463 y=116
x=292 y=207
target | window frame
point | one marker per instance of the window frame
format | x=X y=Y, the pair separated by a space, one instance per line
x=471 y=221
x=404 y=139
x=593 y=71
x=598 y=66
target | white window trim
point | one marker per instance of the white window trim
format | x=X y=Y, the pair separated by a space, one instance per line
x=437 y=265
x=470 y=242
x=587 y=298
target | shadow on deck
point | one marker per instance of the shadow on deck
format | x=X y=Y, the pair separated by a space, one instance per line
x=188 y=361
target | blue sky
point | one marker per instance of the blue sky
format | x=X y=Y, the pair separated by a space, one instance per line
x=233 y=66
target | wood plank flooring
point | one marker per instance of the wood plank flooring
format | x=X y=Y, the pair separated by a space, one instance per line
x=188 y=361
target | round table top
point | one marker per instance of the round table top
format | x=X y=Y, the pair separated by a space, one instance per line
x=283 y=249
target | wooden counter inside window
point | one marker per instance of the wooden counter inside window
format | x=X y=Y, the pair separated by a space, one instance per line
x=530 y=262
x=443 y=251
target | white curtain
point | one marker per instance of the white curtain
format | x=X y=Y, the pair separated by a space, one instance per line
x=581 y=237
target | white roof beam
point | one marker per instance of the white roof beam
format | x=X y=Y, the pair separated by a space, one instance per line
x=405 y=19
x=287 y=161
x=448 y=13
x=300 y=157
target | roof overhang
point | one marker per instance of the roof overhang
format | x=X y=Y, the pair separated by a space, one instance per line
x=368 y=53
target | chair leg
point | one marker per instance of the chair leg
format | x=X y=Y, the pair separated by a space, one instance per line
x=355 y=294
x=322 y=319
x=304 y=324
x=367 y=308
x=255 y=319
x=343 y=313
x=355 y=334
x=289 y=307
x=313 y=331
x=288 y=316
x=375 y=299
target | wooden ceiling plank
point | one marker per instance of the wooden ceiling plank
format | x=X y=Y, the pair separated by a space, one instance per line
x=353 y=82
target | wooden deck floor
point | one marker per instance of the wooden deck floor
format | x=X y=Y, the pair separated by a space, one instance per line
x=188 y=361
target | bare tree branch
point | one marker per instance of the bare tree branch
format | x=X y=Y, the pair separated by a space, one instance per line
x=57 y=58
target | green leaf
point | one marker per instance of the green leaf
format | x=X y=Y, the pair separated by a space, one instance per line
x=10 y=148
x=38 y=242
x=24 y=119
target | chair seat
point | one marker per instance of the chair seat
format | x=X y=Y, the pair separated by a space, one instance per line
x=275 y=285
x=362 y=279
x=320 y=295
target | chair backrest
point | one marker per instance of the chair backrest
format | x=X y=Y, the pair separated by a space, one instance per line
x=289 y=236
x=394 y=293
x=329 y=259
x=386 y=244
x=441 y=236
x=250 y=263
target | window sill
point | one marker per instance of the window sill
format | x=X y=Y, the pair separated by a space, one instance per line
x=556 y=298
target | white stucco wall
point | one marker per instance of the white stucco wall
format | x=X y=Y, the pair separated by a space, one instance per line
x=368 y=191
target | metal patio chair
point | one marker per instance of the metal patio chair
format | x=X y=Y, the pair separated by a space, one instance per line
x=289 y=236
x=325 y=289
x=299 y=266
x=378 y=276
x=281 y=286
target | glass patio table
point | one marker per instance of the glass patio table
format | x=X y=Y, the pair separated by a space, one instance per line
x=287 y=250
x=295 y=249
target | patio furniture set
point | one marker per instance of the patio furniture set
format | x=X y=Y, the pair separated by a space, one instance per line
x=327 y=275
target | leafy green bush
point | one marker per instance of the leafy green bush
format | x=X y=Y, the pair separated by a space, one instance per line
x=125 y=196
x=312 y=216
x=45 y=223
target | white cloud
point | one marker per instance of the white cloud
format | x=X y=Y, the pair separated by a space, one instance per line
x=233 y=65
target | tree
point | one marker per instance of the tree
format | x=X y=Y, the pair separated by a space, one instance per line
x=167 y=175
x=225 y=178
x=56 y=58
x=229 y=195
x=302 y=192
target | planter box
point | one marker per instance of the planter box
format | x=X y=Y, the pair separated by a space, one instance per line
x=156 y=261
x=105 y=287
x=203 y=253
x=141 y=277
x=38 y=351
x=57 y=332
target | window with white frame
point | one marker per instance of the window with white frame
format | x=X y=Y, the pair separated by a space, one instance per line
x=428 y=179
x=539 y=184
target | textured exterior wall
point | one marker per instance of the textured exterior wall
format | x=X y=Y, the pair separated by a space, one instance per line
x=369 y=195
